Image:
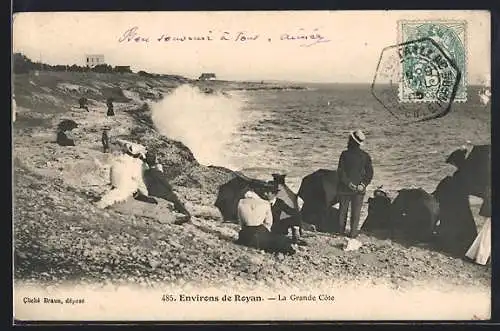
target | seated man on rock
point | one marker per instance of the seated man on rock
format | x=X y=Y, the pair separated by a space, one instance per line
x=281 y=225
x=256 y=219
x=158 y=186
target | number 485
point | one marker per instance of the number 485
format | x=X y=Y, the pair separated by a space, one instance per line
x=167 y=297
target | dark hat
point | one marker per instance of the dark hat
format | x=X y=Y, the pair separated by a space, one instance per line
x=457 y=157
x=279 y=178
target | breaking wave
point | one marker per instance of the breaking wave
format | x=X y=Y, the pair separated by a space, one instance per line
x=203 y=122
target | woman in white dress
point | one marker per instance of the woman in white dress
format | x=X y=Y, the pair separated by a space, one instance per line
x=480 y=250
x=126 y=176
x=14 y=106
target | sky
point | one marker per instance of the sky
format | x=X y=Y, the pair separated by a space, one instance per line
x=350 y=47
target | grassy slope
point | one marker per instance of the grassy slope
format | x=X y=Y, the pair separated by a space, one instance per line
x=59 y=235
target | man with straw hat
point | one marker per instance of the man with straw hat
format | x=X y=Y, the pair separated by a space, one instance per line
x=355 y=173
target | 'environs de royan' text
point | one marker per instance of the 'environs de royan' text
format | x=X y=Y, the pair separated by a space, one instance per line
x=211 y=298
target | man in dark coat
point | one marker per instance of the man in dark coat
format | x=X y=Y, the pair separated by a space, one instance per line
x=109 y=103
x=83 y=102
x=355 y=172
x=159 y=186
x=281 y=225
x=105 y=139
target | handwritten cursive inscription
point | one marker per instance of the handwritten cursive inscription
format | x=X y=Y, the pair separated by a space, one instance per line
x=132 y=35
x=309 y=39
x=305 y=39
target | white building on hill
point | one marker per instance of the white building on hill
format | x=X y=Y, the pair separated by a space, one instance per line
x=91 y=60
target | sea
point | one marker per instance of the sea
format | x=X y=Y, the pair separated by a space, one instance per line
x=297 y=132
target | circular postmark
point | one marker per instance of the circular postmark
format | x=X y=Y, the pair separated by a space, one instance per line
x=416 y=80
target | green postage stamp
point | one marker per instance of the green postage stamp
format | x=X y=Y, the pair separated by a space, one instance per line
x=451 y=38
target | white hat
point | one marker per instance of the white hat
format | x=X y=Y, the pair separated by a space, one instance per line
x=134 y=149
x=358 y=136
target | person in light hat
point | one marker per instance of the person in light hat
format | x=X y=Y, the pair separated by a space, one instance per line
x=126 y=176
x=355 y=173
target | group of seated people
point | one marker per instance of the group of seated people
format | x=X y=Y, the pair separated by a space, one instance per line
x=262 y=227
x=137 y=173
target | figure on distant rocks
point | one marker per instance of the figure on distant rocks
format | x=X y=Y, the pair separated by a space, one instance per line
x=158 y=186
x=64 y=129
x=109 y=103
x=355 y=173
x=105 y=139
x=83 y=103
x=256 y=219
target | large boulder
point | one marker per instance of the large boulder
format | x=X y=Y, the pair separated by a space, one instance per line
x=414 y=215
x=379 y=207
x=318 y=190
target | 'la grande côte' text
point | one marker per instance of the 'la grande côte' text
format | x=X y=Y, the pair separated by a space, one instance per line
x=187 y=298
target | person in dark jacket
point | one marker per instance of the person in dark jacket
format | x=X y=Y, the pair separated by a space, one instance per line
x=109 y=103
x=355 y=173
x=83 y=102
x=105 y=139
x=158 y=186
x=281 y=226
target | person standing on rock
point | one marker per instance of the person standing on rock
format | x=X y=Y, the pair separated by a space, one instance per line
x=355 y=173
x=256 y=219
x=83 y=102
x=105 y=139
x=109 y=103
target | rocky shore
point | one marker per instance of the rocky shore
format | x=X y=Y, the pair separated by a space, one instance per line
x=59 y=235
